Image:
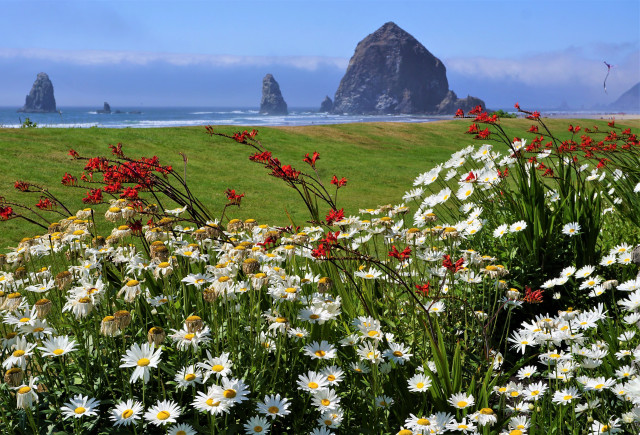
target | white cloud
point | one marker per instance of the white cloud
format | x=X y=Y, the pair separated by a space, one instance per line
x=550 y=69
x=107 y=57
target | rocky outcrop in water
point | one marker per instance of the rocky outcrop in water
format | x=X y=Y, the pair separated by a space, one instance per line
x=392 y=73
x=272 y=102
x=326 y=105
x=40 y=98
x=105 y=109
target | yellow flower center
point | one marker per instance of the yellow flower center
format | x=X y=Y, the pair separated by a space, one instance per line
x=397 y=353
x=420 y=385
x=312 y=385
x=514 y=394
x=567 y=397
x=163 y=415
x=143 y=362
x=281 y=320
x=331 y=378
x=372 y=333
x=189 y=336
x=320 y=353
x=79 y=410
x=462 y=404
x=211 y=403
x=325 y=402
x=223 y=279
x=423 y=422
x=217 y=368
x=599 y=386
x=181 y=432
x=229 y=394
x=25 y=319
x=486 y=411
x=163 y=265
x=273 y=410
x=127 y=413
x=18 y=353
x=58 y=351
x=132 y=283
x=24 y=390
x=314 y=316
x=189 y=377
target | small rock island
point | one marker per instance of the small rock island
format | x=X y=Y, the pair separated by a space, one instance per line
x=272 y=102
x=40 y=98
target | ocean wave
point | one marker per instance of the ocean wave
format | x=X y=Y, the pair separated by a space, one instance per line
x=203 y=113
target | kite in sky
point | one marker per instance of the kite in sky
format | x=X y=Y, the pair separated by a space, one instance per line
x=605 y=79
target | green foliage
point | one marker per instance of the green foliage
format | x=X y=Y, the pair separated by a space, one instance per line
x=27 y=123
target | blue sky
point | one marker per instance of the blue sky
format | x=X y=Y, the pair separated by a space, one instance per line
x=215 y=53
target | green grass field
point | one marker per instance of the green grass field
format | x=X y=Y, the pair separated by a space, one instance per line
x=380 y=161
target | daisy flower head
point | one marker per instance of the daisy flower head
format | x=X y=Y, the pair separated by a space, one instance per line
x=571 y=229
x=143 y=358
x=326 y=400
x=162 y=413
x=384 y=401
x=58 y=346
x=80 y=406
x=220 y=366
x=397 y=353
x=274 y=406
x=188 y=376
x=517 y=226
x=312 y=382
x=461 y=400
x=26 y=394
x=212 y=401
x=322 y=350
x=501 y=231
x=419 y=383
x=333 y=375
x=126 y=413
x=182 y=429
x=234 y=390
x=566 y=396
x=257 y=426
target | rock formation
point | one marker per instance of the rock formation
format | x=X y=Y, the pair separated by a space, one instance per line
x=326 y=105
x=392 y=73
x=630 y=100
x=40 y=98
x=272 y=102
x=105 y=109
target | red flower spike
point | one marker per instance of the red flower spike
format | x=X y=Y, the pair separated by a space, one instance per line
x=334 y=216
x=232 y=197
x=340 y=183
x=533 y=297
x=423 y=289
x=5 y=212
x=311 y=160
x=459 y=114
x=21 y=186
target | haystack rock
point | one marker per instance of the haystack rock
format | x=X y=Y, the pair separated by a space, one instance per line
x=392 y=73
x=272 y=102
x=326 y=105
x=630 y=100
x=40 y=99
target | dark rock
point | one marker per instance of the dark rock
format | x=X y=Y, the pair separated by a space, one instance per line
x=392 y=73
x=40 y=98
x=451 y=103
x=272 y=102
x=326 y=105
x=106 y=108
x=630 y=100
x=635 y=256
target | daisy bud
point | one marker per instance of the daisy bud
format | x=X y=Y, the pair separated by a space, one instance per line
x=234 y=225
x=250 y=224
x=108 y=326
x=13 y=377
x=324 y=284
x=122 y=318
x=250 y=266
x=43 y=306
x=63 y=280
x=12 y=301
x=194 y=324
x=156 y=335
x=210 y=295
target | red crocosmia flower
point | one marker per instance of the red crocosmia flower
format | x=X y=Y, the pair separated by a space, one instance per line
x=471 y=177
x=129 y=193
x=533 y=297
x=473 y=129
x=45 y=204
x=400 y=255
x=612 y=123
x=69 y=180
x=484 y=134
x=5 y=212
x=533 y=129
x=503 y=174
x=548 y=173
x=73 y=153
x=136 y=227
x=449 y=265
x=534 y=115
x=311 y=160
x=116 y=150
x=113 y=187
x=93 y=197
x=424 y=288
x=602 y=163
x=517 y=106
x=335 y=216
x=21 y=186
x=459 y=113
x=476 y=110
x=341 y=182
x=233 y=197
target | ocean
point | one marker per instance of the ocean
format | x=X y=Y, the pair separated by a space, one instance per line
x=147 y=117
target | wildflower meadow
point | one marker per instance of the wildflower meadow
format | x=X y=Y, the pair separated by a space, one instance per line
x=499 y=295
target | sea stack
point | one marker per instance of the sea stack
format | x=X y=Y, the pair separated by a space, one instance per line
x=105 y=109
x=392 y=73
x=272 y=102
x=40 y=99
x=326 y=105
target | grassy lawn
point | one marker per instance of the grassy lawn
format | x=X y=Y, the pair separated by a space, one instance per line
x=380 y=161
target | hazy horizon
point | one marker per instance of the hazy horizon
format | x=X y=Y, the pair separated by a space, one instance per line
x=194 y=54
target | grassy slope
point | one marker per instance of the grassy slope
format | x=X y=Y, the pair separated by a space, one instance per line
x=380 y=160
